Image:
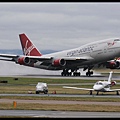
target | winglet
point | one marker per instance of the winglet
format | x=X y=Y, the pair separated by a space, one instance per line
x=110 y=76
x=28 y=47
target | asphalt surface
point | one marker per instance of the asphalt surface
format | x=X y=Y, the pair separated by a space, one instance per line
x=58 y=114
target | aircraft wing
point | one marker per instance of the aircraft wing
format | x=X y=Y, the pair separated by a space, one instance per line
x=77 y=88
x=8 y=55
x=31 y=57
x=67 y=59
x=113 y=90
x=42 y=58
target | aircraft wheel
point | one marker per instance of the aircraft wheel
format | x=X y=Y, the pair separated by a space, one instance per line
x=90 y=92
x=97 y=93
x=89 y=73
x=117 y=92
x=37 y=92
x=63 y=74
x=45 y=91
x=76 y=74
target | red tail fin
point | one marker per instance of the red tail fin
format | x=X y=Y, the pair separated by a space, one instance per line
x=28 y=47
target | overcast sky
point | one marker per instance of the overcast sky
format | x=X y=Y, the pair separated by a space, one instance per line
x=58 y=26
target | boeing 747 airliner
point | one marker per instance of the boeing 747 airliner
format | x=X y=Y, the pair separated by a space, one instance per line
x=70 y=61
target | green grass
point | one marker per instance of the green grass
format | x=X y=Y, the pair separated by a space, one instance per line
x=63 y=107
x=23 y=81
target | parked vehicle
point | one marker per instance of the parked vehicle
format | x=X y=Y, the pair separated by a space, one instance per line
x=41 y=88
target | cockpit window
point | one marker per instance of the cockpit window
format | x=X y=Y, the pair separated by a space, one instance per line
x=98 y=83
x=116 y=39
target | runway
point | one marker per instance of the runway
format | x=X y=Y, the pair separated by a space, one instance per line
x=94 y=77
x=65 y=95
x=58 y=114
x=57 y=74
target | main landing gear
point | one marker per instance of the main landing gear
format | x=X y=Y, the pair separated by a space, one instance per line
x=67 y=72
x=70 y=73
x=89 y=73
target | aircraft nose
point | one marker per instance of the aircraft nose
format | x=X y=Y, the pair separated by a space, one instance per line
x=97 y=87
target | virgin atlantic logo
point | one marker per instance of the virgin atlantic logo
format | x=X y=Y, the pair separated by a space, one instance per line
x=27 y=50
x=110 y=44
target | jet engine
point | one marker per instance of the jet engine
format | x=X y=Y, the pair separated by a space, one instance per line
x=23 y=60
x=59 y=62
x=113 y=64
x=113 y=83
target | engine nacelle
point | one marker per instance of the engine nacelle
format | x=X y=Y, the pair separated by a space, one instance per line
x=113 y=65
x=23 y=60
x=113 y=83
x=59 y=62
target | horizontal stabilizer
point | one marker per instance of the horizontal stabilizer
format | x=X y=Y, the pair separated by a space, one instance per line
x=7 y=60
x=9 y=55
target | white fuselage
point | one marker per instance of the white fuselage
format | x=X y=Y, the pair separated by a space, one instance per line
x=101 y=86
x=100 y=51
